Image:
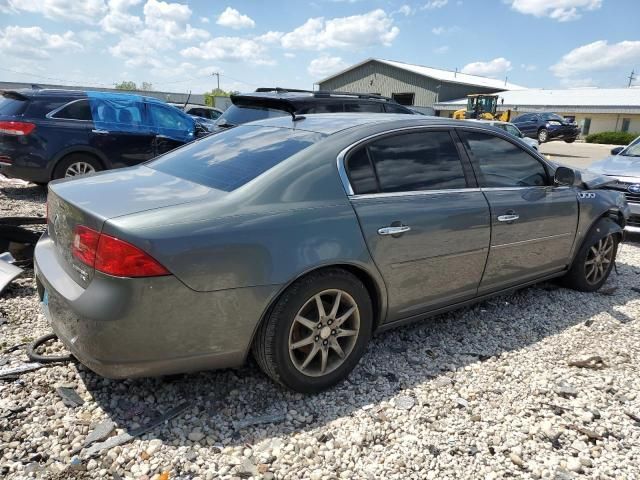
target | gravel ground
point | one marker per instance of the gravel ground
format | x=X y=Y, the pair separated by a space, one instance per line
x=485 y=392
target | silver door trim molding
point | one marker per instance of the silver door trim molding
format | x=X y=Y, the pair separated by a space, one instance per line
x=533 y=240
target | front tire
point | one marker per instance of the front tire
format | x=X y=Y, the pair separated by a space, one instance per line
x=543 y=135
x=593 y=263
x=76 y=164
x=316 y=332
x=570 y=140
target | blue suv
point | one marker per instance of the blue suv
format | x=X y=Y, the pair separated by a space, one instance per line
x=545 y=127
x=48 y=134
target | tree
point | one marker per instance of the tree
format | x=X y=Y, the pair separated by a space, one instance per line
x=126 y=85
x=146 y=86
x=216 y=92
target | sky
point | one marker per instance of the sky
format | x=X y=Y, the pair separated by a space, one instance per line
x=177 y=46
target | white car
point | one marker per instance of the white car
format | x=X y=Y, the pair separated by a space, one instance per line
x=513 y=130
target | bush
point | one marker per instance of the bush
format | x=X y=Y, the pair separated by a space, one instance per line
x=611 y=138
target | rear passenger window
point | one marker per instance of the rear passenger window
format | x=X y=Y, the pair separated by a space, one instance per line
x=77 y=110
x=361 y=174
x=369 y=107
x=503 y=164
x=417 y=161
x=335 y=107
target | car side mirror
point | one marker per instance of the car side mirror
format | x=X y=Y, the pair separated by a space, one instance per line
x=616 y=151
x=566 y=176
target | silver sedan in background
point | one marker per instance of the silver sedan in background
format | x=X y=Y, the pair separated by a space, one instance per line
x=295 y=239
x=623 y=168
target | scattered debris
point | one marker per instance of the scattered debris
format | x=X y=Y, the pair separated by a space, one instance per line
x=260 y=420
x=462 y=403
x=632 y=416
x=608 y=291
x=69 y=397
x=594 y=362
x=36 y=357
x=102 y=431
x=8 y=273
x=405 y=402
x=14 y=371
x=566 y=390
x=127 y=437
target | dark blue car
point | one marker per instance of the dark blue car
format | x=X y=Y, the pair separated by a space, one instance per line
x=545 y=127
x=49 y=134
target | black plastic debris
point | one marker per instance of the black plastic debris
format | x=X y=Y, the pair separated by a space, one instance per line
x=69 y=397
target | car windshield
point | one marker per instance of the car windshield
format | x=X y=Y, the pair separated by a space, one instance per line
x=235 y=115
x=633 y=149
x=229 y=159
x=553 y=116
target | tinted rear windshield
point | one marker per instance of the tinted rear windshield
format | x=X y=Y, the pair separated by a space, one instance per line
x=12 y=106
x=235 y=115
x=229 y=159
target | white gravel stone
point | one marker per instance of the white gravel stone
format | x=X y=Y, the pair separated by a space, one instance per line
x=525 y=413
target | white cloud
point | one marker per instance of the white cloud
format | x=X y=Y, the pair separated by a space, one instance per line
x=597 y=56
x=444 y=30
x=560 y=10
x=118 y=19
x=325 y=65
x=171 y=20
x=492 y=68
x=230 y=49
x=232 y=18
x=357 y=31
x=204 y=20
x=290 y=55
x=405 y=10
x=529 y=67
x=33 y=42
x=441 y=50
x=433 y=4
x=269 y=37
x=85 y=11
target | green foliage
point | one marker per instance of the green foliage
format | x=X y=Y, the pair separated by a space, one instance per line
x=611 y=138
x=216 y=92
x=146 y=86
x=126 y=85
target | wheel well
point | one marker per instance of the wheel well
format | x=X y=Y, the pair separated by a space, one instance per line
x=77 y=152
x=374 y=292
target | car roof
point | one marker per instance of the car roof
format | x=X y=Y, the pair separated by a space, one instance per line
x=330 y=123
x=318 y=95
x=55 y=92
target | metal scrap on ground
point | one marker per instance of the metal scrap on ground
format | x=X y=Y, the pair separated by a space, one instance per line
x=25 y=367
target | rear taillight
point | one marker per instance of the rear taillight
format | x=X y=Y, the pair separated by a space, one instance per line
x=16 y=128
x=113 y=256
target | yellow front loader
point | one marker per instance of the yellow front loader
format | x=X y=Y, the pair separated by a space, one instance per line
x=482 y=107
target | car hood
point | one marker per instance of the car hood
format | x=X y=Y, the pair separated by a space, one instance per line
x=125 y=191
x=618 y=165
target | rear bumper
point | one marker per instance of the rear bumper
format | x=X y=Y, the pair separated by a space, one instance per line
x=126 y=327
x=37 y=175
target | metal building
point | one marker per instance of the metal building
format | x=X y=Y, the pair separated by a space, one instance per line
x=410 y=84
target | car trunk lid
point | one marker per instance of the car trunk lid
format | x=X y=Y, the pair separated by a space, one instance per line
x=121 y=192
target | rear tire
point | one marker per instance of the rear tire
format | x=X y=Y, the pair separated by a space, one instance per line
x=76 y=164
x=593 y=263
x=570 y=140
x=306 y=351
x=543 y=135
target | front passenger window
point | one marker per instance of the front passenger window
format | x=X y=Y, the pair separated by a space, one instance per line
x=501 y=163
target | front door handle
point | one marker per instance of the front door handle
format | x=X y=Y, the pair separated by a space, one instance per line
x=399 y=230
x=512 y=217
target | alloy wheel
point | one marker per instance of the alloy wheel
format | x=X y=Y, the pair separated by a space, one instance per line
x=324 y=332
x=599 y=258
x=542 y=136
x=79 y=168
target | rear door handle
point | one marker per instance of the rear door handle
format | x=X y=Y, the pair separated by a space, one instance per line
x=508 y=218
x=394 y=230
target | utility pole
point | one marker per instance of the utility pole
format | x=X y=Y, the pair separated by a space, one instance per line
x=217 y=74
x=631 y=77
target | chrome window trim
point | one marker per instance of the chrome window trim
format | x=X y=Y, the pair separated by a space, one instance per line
x=415 y=193
x=545 y=187
x=342 y=170
x=51 y=114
